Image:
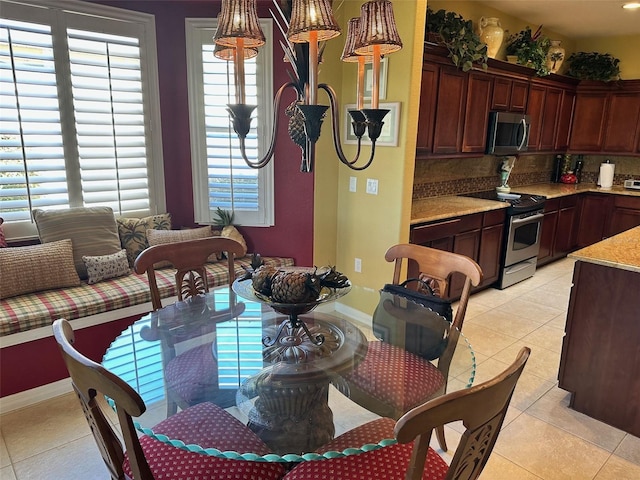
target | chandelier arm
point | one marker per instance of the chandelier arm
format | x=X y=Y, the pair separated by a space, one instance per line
x=335 y=116
x=276 y=122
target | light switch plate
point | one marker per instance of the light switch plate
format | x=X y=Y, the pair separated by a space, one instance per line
x=372 y=186
x=353 y=184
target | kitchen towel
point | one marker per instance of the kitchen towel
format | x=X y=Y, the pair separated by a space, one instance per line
x=605 y=180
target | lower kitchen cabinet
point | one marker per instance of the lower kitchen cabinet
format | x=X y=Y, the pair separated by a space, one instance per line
x=594 y=217
x=478 y=236
x=559 y=234
x=625 y=214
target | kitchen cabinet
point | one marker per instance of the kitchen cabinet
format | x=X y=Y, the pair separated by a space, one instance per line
x=565 y=116
x=594 y=217
x=476 y=119
x=621 y=128
x=587 y=130
x=559 y=234
x=478 y=236
x=509 y=95
x=450 y=110
x=543 y=106
x=624 y=215
x=427 y=115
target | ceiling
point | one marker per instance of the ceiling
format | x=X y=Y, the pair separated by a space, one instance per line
x=574 y=18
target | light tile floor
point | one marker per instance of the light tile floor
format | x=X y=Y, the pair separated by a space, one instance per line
x=541 y=439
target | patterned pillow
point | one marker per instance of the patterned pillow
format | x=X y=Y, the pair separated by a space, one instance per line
x=106 y=266
x=133 y=232
x=159 y=237
x=92 y=230
x=37 y=267
x=3 y=240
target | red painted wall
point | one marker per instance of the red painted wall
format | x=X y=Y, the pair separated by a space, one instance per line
x=292 y=235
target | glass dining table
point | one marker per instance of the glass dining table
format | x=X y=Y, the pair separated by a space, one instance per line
x=295 y=380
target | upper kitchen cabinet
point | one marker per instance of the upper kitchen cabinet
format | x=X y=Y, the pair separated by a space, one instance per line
x=509 y=95
x=606 y=118
x=476 y=120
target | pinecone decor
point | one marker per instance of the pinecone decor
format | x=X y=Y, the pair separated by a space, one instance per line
x=295 y=286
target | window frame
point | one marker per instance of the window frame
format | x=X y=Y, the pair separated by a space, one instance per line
x=195 y=29
x=62 y=14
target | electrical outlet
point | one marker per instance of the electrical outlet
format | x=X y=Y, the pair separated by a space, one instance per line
x=358 y=265
x=353 y=184
x=372 y=186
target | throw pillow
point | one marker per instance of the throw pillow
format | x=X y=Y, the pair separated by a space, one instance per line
x=159 y=237
x=3 y=240
x=103 y=267
x=133 y=232
x=37 y=267
x=92 y=230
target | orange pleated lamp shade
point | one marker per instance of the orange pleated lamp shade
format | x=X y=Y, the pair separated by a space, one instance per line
x=239 y=19
x=312 y=16
x=378 y=27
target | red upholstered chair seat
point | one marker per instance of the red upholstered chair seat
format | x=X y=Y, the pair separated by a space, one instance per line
x=208 y=426
x=396 y=377
x=387 y=463
x=193 y=375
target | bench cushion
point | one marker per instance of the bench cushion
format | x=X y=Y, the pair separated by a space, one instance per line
x=26 y=312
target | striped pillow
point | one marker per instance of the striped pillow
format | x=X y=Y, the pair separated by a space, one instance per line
x=92 y=230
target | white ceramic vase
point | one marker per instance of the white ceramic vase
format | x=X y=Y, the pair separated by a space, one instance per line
x=492 y=34
x=555 y=56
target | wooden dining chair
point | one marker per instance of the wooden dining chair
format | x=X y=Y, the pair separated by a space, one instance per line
x=481 y=408
x=147 y=458
x=189 y=259
x=192 y=376
x=391 y=380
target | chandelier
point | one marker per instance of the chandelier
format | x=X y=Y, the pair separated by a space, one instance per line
x=309 y=23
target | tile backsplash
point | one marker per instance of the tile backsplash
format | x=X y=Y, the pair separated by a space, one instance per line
x=447 y=176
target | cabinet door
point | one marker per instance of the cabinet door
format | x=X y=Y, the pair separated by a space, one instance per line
x=467 y=243
x=593 y=218
x=450 y=105
x=535 y=108
x=427 y=113
x=476 y=118
x=501 y=98
x=547 y=236
x=490 y=252
x=625 y=214
x=564 y=120
x=566 y=231
x=549 y=119
x=587 y=129
x=622 y=123
x=519 y=94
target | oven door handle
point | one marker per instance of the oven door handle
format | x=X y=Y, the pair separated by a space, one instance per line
x=532 y=218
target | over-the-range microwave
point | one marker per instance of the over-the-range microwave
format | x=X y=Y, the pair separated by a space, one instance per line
x=508 y=133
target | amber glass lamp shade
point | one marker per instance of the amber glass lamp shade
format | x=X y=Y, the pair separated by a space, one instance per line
x=239 y=20
x=312 y=16
x=378 y=29
x=228 y=53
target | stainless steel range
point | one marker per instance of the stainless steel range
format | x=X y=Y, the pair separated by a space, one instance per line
x=522 y=234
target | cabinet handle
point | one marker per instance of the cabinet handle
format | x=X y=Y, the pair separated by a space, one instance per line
x=447 y=222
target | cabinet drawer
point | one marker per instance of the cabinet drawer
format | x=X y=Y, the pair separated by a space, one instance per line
x=445 y=228
x=494 y=217
x=627 y=201
x=569 y=201
x=551 y=204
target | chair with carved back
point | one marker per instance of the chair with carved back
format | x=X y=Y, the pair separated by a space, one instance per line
x=481 y=408
x=373 y=383
x=191 y=376
x=147 y=458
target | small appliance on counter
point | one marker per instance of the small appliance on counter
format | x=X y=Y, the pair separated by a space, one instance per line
x=632 y=184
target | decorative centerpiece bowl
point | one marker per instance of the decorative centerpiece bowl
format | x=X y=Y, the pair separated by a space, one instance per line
x=245 y=289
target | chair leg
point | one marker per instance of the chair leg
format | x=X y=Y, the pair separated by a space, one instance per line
x=441 y=439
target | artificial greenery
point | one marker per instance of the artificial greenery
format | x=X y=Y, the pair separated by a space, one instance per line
x=531 y=49
x=593 y=66
x=456 y=33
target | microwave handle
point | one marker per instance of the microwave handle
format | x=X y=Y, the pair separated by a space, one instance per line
x=524 y=134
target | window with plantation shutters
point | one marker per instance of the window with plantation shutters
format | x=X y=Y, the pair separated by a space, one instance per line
x=78 y=111
x=221 y=178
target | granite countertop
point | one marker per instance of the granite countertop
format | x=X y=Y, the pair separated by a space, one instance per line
x=620 y=251
x=438 y=208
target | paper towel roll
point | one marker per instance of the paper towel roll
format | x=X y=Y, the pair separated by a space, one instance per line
x=605 y=180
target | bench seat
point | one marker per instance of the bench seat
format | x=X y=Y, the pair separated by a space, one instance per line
x=39 y=309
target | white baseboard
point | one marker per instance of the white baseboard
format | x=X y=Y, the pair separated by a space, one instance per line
x=35 y=395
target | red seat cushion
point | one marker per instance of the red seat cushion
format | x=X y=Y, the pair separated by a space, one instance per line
x=193 y=375
x=396 y=377
x=370 y=432
x=208 y=426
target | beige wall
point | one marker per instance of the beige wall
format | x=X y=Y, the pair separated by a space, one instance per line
x=366 y=225
x=626 y=48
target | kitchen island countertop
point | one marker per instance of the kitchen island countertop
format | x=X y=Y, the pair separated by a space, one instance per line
x=620 y=251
